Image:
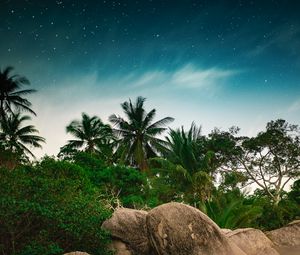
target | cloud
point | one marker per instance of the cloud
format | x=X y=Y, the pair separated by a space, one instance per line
x=191 y=77
x=62 y=101
x=285 y=37
x=294 y=107
x=186 y=77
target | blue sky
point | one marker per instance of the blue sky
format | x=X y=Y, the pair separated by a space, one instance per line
x=218 y=63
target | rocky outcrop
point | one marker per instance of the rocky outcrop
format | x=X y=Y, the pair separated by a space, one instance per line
x=179 y=229
x=252 y=241
x=129 y=226
x=175 y=228
x=288 y=235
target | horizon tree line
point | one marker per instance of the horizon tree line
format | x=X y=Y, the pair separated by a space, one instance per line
x=270 y=160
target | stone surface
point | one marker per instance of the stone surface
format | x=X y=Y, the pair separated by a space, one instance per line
x=288 y=235
x=252 y=241
x=180 y=229
x=120 y=248
x=225 y=230
x=129 y=226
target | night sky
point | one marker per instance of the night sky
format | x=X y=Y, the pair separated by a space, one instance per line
x=218 y=63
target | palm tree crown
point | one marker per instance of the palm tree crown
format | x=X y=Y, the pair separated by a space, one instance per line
x=15 y=137
x=90 y=132
x=137 y=134
x=11 y=93
x=184 y=148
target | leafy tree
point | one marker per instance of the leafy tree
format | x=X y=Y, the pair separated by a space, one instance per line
x=270 y=160
x=138 y=135
x=91 y=135
x=275 y=215
x=12 y=94
x=294 y=194
x=16 y=137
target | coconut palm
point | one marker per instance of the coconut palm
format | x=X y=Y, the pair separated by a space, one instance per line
x=90 y=133
x=16 y=137
x=184 y=148
x=11 y=92
x=138 y=135
x=186 y=162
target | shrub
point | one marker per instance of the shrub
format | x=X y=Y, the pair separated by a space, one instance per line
x=50 y=208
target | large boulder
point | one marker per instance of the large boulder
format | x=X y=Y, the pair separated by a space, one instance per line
x=288 y=235
x=252 y=241
x=129 y=226
x=180 y=229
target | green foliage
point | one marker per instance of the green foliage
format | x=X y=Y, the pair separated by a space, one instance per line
x=16 y=137
x=275 y=216
x=91 y=135
x=52 y=204
x=294 y=194
x=231 y=210
x=173 y=182
x=36 y=248
x=137 y=135
x=270 y=160
x=119 y=184
x=12 y=92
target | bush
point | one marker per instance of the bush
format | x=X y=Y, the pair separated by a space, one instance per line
x=50 y=208
x=117 y=183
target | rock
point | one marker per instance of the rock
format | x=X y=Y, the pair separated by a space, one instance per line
x=183 y=230
x=252 y=241
x=129 y=226
x=225 y=230
x=289 y=250
x=288 y=235
x=120 y=248
x=76 y=253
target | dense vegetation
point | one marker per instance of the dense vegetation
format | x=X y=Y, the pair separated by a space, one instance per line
x=57 y=204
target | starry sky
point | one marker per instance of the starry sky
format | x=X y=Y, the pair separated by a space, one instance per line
x=218 y=63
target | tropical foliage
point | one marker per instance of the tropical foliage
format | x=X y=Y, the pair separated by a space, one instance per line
x=91 y=136
x=137 y=135
x=53 y=206
x=16 y=137
x=12 y=94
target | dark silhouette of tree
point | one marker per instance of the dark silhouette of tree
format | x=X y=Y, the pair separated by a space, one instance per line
x=138 y=135
x=16 y=137
x=91 y=135
x=12 y=94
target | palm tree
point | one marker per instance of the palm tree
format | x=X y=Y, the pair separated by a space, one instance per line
x=91 y=135
x=184 y=148
x=187 y=161
x=11 y=93
x=138 y=135
x=15 y=137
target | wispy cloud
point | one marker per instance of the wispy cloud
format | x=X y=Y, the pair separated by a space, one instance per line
x=286 y=37
x=186 y=77
x=191 y=77
x=294 y=107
